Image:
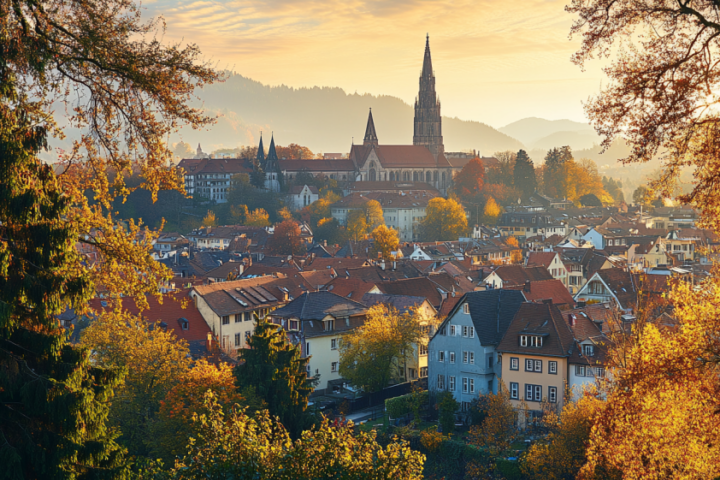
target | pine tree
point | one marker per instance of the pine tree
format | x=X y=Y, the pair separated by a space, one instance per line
x=257 y=177
x=53 y=403
x=277 y=371
x=524 y=174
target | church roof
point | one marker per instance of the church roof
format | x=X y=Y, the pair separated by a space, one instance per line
x=427 y=70
x=272 y=154
x=391 y=156
x=317 y=165
x=261 y=151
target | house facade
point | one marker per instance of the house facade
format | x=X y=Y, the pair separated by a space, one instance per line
x=461 y=355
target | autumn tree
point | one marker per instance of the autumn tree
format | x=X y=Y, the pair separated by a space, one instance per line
x=502 y=173
x=173 y=425
x=385 y=241
x=126 y=93
x=294 y=151
x=444 y=220
x=330 y=230
x=357 y=226
x=155 y=361
x=285 y=213
x=374 y=354
x=320 y=208
x=469 y=181
x=374 y=216
x=555 y=173
x=234 y=445
x=286 y=239
x=258 y=218
x=209 y=220
x=491 y=212
x=563 y=452
x=278 y=373
x=524 y=174
x=516 y=256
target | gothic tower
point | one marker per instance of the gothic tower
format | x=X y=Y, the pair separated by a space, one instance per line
x=370 y=135
x=428 y=122
x=260 y=158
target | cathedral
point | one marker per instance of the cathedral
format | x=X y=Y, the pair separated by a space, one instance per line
x=423 y=161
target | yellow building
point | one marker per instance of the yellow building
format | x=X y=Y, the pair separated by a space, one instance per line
x=534 y=356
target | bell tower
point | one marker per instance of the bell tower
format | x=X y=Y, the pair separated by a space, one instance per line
x=428 y=121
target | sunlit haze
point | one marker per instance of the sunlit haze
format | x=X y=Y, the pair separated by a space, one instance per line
x=495 y=61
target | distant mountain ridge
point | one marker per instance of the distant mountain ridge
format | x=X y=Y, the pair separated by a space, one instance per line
x=325 y=119
x=538 y=133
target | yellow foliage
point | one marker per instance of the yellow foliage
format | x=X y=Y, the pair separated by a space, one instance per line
x=491 y=212
x=285 y=213
x=431 y=439
x=209 y=219
x=258 y=218
x=386 y=240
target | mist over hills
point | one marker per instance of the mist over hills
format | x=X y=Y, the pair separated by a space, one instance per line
x=325 y=119
x=538 y=133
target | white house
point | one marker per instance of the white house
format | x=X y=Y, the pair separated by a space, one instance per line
x=302 y=196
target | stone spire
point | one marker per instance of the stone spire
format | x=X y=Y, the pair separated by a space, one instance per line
x=370 y=135
x=272 y=154
x=428 y=121
x=261 y=153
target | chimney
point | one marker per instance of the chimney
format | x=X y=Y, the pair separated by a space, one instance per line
x=324 y=243
x=527 y=286
x=208 y=343
x=382 y=264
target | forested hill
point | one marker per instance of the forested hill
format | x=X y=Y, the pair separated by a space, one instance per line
x=323 y=118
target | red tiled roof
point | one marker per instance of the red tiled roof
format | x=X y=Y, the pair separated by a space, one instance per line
x=518 y=275
x=353 y=288
x=540 y=259
x=544 y=290
x=317 y=165
x=539 y=319
x=323 y=263
x=418 y=287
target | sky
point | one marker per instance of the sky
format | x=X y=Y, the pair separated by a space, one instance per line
x=495 y=61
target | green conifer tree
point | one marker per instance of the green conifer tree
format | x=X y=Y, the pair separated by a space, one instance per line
x=53 y=403
x=524 y=174
x=277 y=371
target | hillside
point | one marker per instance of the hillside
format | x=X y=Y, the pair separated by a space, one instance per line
x=538 y=133
x=325 y=119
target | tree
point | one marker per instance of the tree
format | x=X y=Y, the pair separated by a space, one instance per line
x=209 y=219
x=524 y=174
x=278 y=373
x=239 y=214
x=469 y=181
x=491 y=212
x=53 y=400
x=236 y=446
x=155 y=361
x=374 y=354
x=642 y=196
x=329 y=229
x=385 y=242
x=447 y=406
x=516 y=256
x=555 y=173
x=173 y=425
x=502 y=173
x=444 y=220
x=294 y=151
x=563 y=452
x=258 y=218
x=357 y=226
x=286 y=239
x=257 y=177
x=590 y=200
x=374 y=216
x=183 y=150
x=285 y=213
x=320 y=208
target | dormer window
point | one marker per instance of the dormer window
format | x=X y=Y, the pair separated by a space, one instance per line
x=588 y=350
x=535 y=341
x=466 y=308
x=329 y=325
x=293 y=325
x=523 y=340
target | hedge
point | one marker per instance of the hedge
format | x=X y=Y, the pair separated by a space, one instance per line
x=398 y=406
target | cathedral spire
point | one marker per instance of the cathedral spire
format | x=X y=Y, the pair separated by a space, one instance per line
x=261 y=152
x=370 y=134
x=272 y=154
x=428 y=121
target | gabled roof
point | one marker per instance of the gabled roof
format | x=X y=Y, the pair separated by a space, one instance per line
x=353 y=288
x=297 y=189
x=371 y=137
x=317 y=305
x=421 y=287
x=621 y=284
x=540 y=259
x=317 y=165
x=546 y=290
x=402 y=303
x=538 y=319
x=491 y=312
x=517 y=274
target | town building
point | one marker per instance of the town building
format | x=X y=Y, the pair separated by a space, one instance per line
x=302 y=196
x=211 y=178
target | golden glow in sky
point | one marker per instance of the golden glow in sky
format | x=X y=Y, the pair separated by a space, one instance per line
x=496 y=61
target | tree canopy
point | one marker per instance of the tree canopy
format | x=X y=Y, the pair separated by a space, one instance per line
x=445 y=219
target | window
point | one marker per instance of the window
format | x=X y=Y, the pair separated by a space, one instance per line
x=472 y=385
x=237 y=339
x=472 y=357
x=529 y=365
x=452 y=330
x=466 y=308
x=471 y=332
x=334 y=366
x=552 y=394
x=238 y=318
x=528 y=392
x=535 y=341
x=247 y=318
x=423 y=372
x=293 y=324
x=580 y=370
x=423 y=350
x=469 y=357
x=452 y=357
x=523 y=340
x=552 y=368
x=464 y=331
x=490 y=361
x=451 y=384
x=441 y=356
x=538 y=392
x=588 y=350
x=490 y=386
x=226 y=319
x=329 y=325
x=333 y=344
x=588 y=371
x=514 y=363
x=538 y=365
x=307 y=348
x=441 y=382
x=465 y=385
x=600 y=372
x=514 y=390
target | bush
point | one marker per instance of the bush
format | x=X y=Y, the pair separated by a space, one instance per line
x=508 y=470
x=402 y=405
x=447 y=406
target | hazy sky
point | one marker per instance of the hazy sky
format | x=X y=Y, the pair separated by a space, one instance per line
x=495 y=61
